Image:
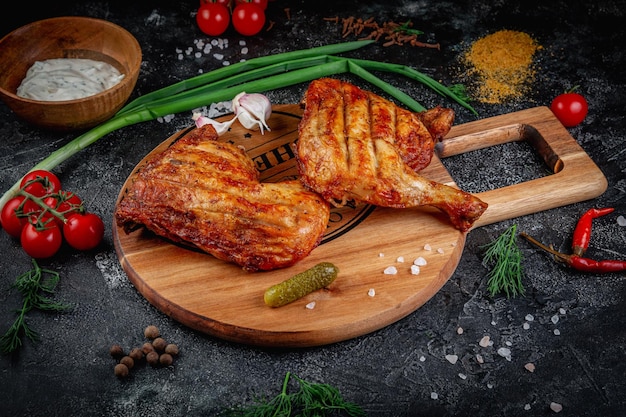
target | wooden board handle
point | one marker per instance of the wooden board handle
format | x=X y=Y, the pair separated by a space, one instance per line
x=575 y=176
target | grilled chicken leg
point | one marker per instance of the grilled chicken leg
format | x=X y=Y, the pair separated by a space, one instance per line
x=355 y=145
x=207 y=194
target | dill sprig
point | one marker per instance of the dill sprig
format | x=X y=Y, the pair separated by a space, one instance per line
x=35 y=285
x=505 y=260
x=310 y=400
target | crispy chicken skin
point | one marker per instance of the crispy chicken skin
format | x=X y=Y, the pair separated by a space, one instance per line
x=355 y=145
x=207 y=194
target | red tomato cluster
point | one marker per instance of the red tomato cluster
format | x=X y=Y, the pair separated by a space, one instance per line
x=42 y=215
x=248 y=16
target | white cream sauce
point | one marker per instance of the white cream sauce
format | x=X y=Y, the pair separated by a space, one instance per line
x=67 y=79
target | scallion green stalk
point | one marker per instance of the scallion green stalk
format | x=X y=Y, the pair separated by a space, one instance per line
x=415 y=75
x=245 y=66
x=386 y=87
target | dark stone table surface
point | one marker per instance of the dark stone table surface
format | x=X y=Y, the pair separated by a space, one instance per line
x=569 y=325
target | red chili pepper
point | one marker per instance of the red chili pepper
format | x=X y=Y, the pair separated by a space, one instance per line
x=589 y=265
x=582 y=232
x=579 y=263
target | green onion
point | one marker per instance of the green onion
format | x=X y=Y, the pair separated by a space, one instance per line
x=386 y=87
x=417 y=76
x=244 y=66
x=253 y=76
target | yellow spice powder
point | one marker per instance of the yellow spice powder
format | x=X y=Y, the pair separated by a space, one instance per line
x=502 y=63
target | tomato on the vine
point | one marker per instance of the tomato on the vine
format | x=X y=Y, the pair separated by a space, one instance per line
x=40 y=188
x=12 y=224
x=570 y=108
x=83 y=231
x=41 y=242
x=248 y=19
x=213 y=18
x=261 y=3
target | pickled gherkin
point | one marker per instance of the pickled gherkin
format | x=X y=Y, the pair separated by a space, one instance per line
x=315 y=278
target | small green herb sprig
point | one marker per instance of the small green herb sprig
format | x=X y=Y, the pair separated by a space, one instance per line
x=310 y=400
x=34 y=286
x=505 y=260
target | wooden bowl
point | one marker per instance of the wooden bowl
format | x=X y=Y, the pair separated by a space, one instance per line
x=68 y=37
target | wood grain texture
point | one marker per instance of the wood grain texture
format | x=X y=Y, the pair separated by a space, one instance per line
x=223 y=301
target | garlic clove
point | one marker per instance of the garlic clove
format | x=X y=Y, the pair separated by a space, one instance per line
x=253 y=110
x=220 y=127
x=249 y=122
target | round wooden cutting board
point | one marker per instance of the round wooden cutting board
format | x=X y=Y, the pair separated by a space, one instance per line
x=222 y=300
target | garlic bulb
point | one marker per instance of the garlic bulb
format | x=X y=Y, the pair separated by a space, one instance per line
x=252 y=110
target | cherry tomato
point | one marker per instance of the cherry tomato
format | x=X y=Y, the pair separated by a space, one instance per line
x=41 y=243
x=83 y=231
x=40 y=189
x=248 y=19
x=12 y=224
x=213 y=18
x=261 y=3
x=570 y=108
x=64 y=202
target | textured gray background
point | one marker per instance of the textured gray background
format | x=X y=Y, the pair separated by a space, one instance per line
x=391 y=372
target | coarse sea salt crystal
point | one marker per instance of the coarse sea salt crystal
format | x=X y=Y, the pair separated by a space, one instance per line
x=505 y=353
x=390 y=270
x=420 y=261
x=452 y=358
x=529 y=317
x=557 y=332
x=462 y=376
x=554 y=319
x=526 y=326
x=310 y=305
x=381 y=255
x=440 y=250
x=459 y=330
x=434 y=395
x=427 y=247
x=415 y=270
x=556 y=407
x=530 y=367
x=244 y=51
x=485 y=341
x=621 y=220
x=371 y=292
x=400 y=259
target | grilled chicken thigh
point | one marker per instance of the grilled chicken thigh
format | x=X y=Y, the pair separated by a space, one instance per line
x=355 y=145
x=207 y=194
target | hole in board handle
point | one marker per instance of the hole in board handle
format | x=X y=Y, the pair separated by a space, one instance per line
x=498 y=157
